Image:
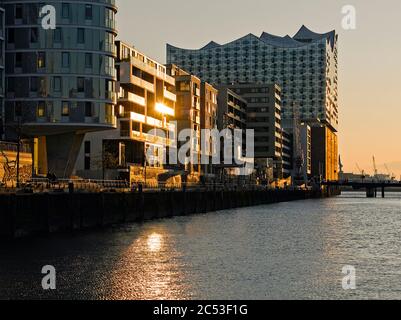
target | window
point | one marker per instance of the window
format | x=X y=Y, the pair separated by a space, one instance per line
x=65 y=109
x=184 y=86
x=11 y=84
x=87 y=147
x=1 y=83
x=80 y=84
x=110 y=89
x=34 y=35
x=87 y=163
x=88 y=109
x=57 y=84
x=87 y=151
x=11 y=35
x=88 y=60
x=57 y=35
x=34 y=84
x=42 y=85
x=18 y=11
x=88 y=12
x=65 y=59
x=41 y=109
x=81 y=35
x=41 y=60
x=18 y=60
x=18 y=109
x=65 y=11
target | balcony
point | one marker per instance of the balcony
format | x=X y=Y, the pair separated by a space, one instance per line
x=142 y=83
x=151 y=70
x=136 y=117
x=169 y=79
x=169 y=95
x=131 y=97
x=126 y=77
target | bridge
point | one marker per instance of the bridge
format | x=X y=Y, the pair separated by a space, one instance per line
x=372 y=187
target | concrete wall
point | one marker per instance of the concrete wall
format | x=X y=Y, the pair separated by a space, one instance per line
x=33 y=214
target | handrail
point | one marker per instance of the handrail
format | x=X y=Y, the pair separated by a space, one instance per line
x=93 y=185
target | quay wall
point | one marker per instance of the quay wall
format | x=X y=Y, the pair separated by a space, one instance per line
x=24 y=215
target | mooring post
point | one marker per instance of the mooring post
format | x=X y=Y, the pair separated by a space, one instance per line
x=383 y=192
x=370 y=192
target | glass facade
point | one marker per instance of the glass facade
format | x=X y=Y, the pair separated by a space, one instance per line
x=2 y=78
x=305 y=67
x=63 y=77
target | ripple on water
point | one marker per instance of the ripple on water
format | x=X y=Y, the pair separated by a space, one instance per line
x=290 y=250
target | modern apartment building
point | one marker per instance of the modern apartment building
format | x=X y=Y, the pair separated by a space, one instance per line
x=232 y=109
x=146 y=104
x=209 y=113
x=263 y=115
x=288 y=153
x=305 y=66
x=2 y=71
x=61 y=82
x=304 y=133
x=306 y=144
x=188 y=116
x=232 y=115
x=324 y=154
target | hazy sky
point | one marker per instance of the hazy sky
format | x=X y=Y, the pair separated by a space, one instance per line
x=369 y=57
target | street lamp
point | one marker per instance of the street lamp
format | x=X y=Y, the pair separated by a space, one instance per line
x=18 y=131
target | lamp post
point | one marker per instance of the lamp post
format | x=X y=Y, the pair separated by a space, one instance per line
x=18 y=149
x=145 y=161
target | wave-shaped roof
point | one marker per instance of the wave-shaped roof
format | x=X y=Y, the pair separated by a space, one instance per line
x=277 y=41
x=302 y=38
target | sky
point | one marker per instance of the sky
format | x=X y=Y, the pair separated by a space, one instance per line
x=369 y=56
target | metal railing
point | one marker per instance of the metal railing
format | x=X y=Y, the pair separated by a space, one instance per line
x=13 y=147
x=43 y=184
x=89 y=185
x=38 y=185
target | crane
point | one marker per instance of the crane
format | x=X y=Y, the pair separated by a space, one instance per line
x=340 y=164
x=376 y=172
x=362 y=172
x=391 y=175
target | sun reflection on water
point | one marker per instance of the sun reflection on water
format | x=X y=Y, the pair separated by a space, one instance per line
x=155 y=242
x=148 y=268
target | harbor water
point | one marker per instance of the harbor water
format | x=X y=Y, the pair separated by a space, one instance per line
x=294 y=250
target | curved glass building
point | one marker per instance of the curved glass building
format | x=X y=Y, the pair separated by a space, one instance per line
x=60 y=82
x=304 y=66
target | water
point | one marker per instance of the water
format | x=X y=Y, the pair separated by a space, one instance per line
x=286 y=251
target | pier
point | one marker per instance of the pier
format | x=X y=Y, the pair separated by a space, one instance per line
x=373 y=188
